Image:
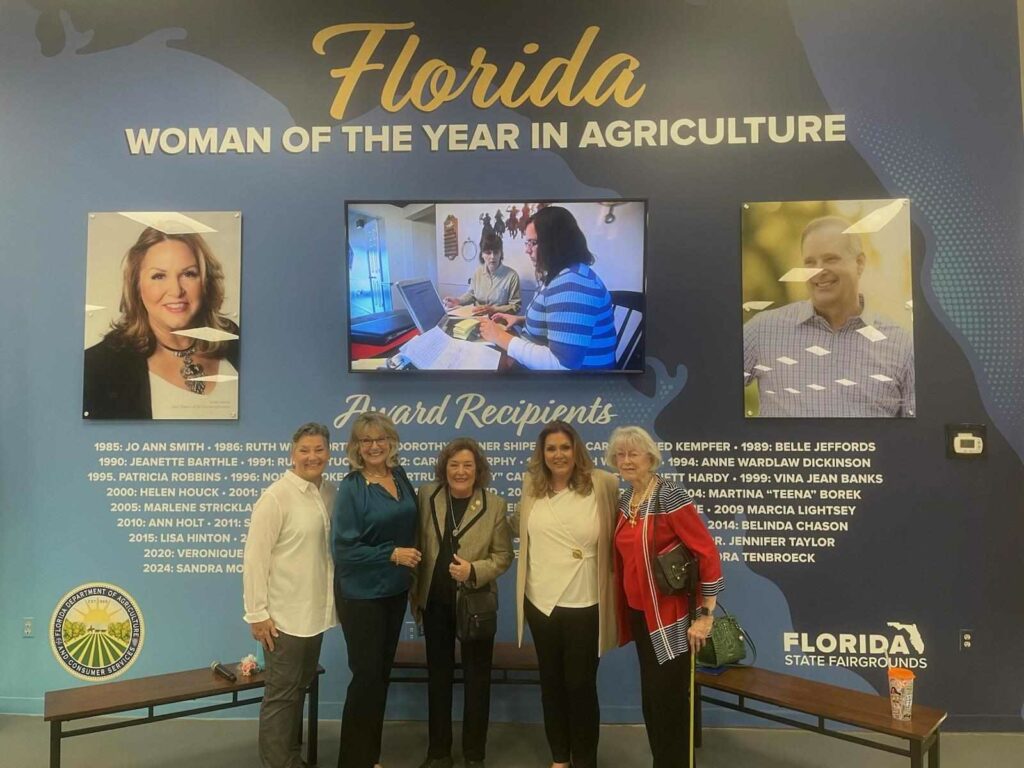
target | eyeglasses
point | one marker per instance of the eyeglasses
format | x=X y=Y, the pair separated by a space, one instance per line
x=530 y=242
x=366 y=442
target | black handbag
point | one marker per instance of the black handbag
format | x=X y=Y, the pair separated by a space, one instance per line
x=476 y=613
x=476 y=608
x=675 y=568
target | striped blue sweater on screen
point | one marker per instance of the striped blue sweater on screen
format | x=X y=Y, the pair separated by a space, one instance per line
x=573 y=316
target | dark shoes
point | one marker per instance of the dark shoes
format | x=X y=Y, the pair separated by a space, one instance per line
x=447 y=762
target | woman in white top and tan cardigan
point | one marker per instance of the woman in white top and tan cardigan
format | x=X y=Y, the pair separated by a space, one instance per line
x=565 y=587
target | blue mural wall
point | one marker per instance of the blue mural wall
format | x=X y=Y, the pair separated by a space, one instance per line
x=929 y=105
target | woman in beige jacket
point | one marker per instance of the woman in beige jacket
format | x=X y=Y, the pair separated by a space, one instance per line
x=565 y=586
x=465 y=540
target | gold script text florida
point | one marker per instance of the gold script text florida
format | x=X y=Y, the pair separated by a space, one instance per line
x=436 y=81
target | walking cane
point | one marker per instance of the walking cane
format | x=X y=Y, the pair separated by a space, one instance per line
x=693 y=664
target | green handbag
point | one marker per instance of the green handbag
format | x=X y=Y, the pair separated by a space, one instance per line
x=727 y=644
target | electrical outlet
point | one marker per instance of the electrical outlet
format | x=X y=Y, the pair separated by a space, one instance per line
x=966 y=639
x=27 y=629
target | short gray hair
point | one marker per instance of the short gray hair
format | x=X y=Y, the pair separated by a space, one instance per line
x=851 y=241
x=311 y=429
x=636 y=437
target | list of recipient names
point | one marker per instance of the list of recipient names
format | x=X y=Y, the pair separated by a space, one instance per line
x=777 y=502
x=184 y=507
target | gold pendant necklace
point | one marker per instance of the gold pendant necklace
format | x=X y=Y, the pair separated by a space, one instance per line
x=633 y=510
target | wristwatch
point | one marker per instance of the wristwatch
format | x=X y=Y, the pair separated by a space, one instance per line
x=703 y=611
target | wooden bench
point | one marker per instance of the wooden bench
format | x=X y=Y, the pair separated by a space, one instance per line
x=510 y=665
x=827 y=703
x=150 y=692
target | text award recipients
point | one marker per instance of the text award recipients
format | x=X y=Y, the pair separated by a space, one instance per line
x=565 y=586
x=145 y=367
x=287 y=579
x=467 y=541
x=374 y=537
x=830 y=356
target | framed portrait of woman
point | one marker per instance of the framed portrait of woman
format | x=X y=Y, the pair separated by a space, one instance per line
x=162 y=315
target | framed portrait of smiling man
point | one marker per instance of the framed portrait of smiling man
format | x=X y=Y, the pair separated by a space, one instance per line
x=162 y=315
x=827 y=309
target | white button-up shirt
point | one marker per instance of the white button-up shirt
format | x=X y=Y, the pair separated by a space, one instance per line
x=288 y=571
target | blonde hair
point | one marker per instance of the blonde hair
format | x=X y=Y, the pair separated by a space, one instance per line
x=538 y=474
x=636 y=437
x=363 y=422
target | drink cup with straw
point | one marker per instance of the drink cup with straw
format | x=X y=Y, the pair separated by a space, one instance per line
x=901 y=692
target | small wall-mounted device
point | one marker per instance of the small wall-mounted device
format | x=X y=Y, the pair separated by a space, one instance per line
x=965 y=441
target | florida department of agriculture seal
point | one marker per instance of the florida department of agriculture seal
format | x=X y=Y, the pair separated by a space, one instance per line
x=96 y=631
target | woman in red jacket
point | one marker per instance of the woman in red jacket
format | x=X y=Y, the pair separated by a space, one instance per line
x=654 y=514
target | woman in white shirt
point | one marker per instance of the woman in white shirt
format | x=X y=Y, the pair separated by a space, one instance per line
x=565 y=588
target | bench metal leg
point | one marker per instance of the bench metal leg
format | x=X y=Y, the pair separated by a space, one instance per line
x=55 y=737
x=314 y=716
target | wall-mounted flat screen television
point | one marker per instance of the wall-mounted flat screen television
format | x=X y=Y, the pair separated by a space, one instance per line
x=496 y=285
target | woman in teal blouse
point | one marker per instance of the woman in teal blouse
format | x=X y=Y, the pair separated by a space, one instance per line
x=374 y=537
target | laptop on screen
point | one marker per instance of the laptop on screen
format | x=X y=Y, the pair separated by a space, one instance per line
x=424 y=304
x=434 y=349
x=380 y=329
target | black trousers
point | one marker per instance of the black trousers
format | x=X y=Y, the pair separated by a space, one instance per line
x=439 y=632
x=567 y=657
x=371 y=629
x=665 y=696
